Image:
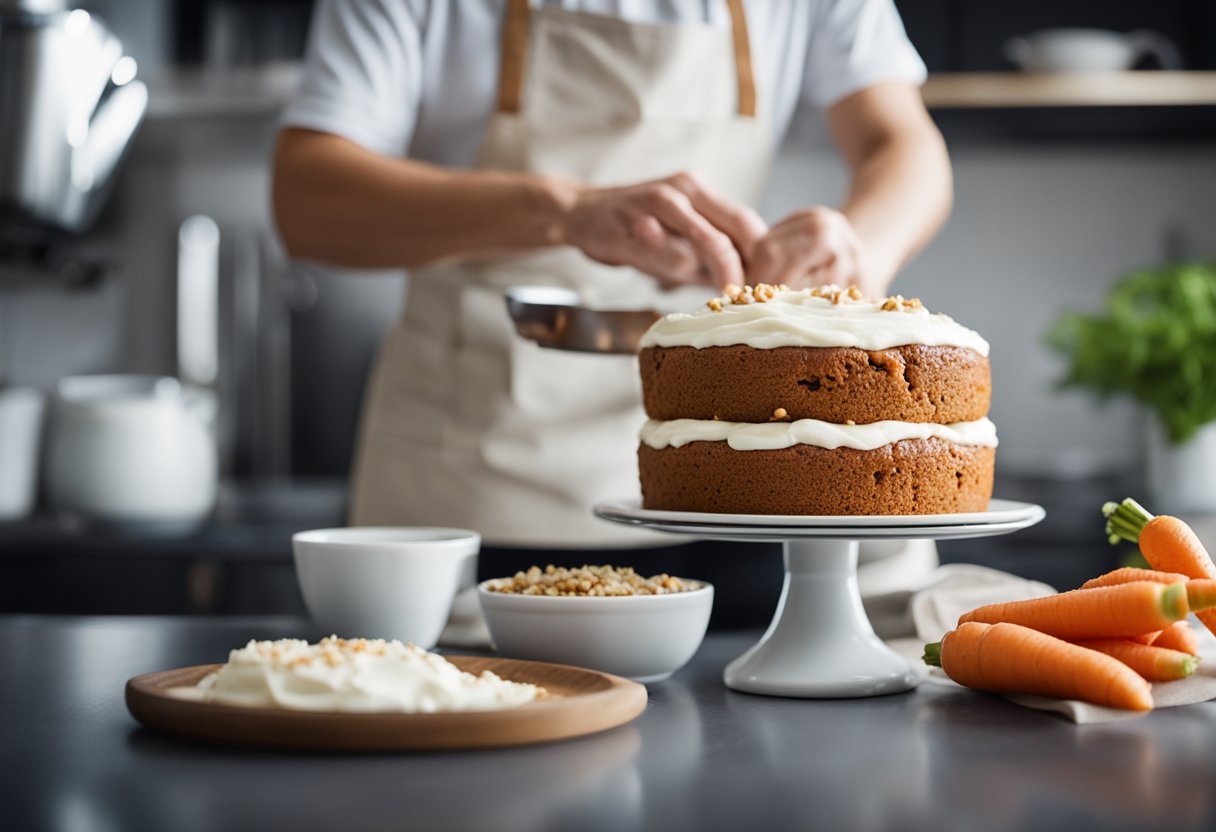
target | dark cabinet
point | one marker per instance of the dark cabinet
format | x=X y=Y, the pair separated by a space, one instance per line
x=969 y=36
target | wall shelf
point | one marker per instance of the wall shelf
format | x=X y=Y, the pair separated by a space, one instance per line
x=969 y=90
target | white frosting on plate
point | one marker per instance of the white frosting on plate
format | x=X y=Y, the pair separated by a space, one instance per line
x=797 y=318
x=770 y=436
x=361 y=675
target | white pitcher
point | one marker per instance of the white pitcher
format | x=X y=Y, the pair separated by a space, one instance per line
x=132 y=449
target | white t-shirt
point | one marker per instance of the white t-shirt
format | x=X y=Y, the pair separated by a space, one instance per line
x=419 y=78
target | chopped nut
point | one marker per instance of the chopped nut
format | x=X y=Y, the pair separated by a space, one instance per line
x=743 y=295
x=764 y=292
x=849 y=422
x=854 y=293
x=591 y=581
x=897 y=303
x=779 y=414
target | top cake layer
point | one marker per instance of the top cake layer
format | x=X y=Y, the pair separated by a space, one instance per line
x=820 y=317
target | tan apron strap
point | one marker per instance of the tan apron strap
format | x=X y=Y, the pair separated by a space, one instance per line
x=743 y=58
x=516 y=29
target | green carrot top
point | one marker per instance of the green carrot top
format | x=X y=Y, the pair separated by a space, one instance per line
x=933 y=654
x=1125 y=520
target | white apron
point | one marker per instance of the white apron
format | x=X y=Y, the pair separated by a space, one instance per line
x=465 y=424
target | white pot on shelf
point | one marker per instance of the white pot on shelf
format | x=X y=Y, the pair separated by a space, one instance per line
x=1182 y=478
x=131 y=449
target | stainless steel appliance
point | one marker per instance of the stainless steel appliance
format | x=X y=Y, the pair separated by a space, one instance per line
x=69 y=107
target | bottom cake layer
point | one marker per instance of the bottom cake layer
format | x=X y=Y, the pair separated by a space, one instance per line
x=912 y=476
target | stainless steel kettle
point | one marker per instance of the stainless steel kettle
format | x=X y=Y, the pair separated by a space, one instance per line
x=69 y=107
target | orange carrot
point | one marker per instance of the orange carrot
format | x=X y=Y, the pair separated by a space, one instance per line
x=1148 y=638
x=1008 y=658
x=1167 y=543
x=1127 y=574
x=1178 y=636
x=1156 y=664
x=1201 y=594
x=1119 y=611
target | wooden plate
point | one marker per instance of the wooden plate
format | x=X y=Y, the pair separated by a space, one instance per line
x=584 y=702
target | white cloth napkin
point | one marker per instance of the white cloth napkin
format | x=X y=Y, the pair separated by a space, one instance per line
x=906 y=593
x=949 y=591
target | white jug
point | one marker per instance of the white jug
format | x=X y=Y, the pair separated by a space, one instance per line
x=132 y=449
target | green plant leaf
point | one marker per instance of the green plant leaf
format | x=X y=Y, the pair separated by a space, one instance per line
x=1155 y=342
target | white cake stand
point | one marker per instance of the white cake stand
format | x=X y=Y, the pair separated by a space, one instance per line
x=820 y=643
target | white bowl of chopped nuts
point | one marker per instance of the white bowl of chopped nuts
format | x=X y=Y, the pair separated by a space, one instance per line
x=602 y=617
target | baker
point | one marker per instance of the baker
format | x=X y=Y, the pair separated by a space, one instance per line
x=614 y=147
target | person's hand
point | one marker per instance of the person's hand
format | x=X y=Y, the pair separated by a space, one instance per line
x=674 y=229
x=812 y=247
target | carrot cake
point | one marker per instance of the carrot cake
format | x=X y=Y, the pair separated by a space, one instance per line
x=814 y=402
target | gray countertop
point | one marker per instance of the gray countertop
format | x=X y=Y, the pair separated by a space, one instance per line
x=700 y=757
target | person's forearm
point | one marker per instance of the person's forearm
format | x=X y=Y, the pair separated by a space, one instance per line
x=339 y=203
x=901 y=194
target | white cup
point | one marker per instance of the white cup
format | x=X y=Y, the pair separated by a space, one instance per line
x=21 y=411
x=384 y=582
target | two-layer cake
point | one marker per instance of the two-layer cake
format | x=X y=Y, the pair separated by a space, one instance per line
x=817 y=401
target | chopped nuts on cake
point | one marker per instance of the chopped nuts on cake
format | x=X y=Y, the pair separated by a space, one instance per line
x=743 y=295
x=898 y=303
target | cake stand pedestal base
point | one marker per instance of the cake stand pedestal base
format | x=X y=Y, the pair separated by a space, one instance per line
x=820 y=643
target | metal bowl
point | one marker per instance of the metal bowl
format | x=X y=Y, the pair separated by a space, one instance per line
x=554 y=317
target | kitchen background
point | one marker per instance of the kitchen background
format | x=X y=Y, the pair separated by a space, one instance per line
x=1058 y=194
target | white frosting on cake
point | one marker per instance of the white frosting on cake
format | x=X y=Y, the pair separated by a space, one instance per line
x=797 y=318
x=355 y=675
x=746 y=436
